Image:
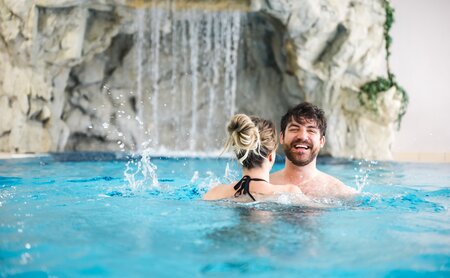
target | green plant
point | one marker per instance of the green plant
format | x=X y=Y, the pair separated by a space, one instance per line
x=388 y=24
x=369 y=91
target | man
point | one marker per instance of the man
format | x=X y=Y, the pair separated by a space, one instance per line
x=302 y=136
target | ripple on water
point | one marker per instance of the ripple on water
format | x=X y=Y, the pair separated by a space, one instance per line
x=105 y=178
x=408 y=201
x=6 y=182
x=238 y=266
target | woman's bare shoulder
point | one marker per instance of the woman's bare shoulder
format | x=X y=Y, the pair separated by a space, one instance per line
x=218 y=192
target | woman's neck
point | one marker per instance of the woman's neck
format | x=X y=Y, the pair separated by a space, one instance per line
x=256 y=173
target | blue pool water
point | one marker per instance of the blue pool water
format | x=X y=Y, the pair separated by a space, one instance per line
x=65 y=216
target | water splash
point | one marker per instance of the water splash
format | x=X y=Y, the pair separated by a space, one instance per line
x=364 y=169
x=202 y=52
x=230 y=174
x=141 y=173
x=208 y=181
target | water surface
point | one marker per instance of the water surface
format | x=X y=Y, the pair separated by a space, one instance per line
x=64 y=216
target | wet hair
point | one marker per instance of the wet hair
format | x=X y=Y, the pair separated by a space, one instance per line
x=303 y=113
x=252 y=139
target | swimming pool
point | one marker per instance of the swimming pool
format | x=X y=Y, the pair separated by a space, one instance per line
x=70 y=215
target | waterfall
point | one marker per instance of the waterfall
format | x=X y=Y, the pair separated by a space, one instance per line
x=140 y=14
x=155 y=16
x=212 y=32
x=173 y=80
x=235 y=31
x=190 y=81
x=193 y=46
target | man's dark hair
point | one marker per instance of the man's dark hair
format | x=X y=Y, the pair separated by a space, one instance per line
x=305 y=112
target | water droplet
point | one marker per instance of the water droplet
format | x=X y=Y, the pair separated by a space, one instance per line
x=25 y=258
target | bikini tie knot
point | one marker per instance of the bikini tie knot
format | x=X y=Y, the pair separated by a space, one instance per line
x=242 y=187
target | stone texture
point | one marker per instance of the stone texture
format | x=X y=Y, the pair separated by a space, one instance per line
x=338 y=46
x=29 y=137
x=7 y=115
x=68 y=76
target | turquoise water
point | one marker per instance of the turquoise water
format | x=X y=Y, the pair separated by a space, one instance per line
x=65 y=216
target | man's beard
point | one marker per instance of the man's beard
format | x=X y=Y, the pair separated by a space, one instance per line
x=295 y=159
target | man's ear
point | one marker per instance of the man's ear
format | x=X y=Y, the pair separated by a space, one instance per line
x=322 y=141
x=281 y=138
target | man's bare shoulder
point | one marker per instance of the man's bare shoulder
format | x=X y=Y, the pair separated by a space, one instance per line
x=329 y=179
x=277 y=177
x=335 y=185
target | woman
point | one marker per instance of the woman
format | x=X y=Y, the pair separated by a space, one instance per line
x=254 y=141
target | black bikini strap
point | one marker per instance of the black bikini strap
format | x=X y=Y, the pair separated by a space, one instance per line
x=243 y=186
x=256 y=179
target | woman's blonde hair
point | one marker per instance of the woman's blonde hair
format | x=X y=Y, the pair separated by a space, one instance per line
x=252 y=139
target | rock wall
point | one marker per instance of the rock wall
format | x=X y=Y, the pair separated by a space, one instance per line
x=69 y=76
x=333 y=47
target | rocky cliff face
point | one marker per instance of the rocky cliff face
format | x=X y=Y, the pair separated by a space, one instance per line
x=101 y=75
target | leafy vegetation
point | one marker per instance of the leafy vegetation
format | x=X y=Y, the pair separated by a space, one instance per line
x=372 y=89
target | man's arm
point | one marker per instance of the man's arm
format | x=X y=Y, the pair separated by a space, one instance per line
x=340 y=189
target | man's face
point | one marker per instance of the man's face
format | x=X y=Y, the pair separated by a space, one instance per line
x=302 y=141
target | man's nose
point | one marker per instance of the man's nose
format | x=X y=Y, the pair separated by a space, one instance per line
x=302 y=134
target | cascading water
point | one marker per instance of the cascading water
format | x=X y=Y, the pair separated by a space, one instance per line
x=199 y=52
x=155 y=16
x=193 y=46
x=140 y=15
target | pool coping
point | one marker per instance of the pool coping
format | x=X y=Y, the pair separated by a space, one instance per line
x=21 y=155
x=443 y=157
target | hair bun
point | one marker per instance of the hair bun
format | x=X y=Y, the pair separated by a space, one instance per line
x=243 y=135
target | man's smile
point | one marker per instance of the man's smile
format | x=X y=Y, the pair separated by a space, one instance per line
x=301 y=146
